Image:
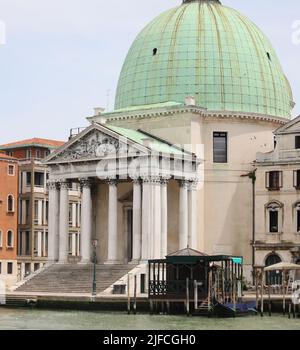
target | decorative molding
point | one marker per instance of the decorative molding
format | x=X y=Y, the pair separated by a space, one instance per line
x=194 y=110
x=52 y=185
x=184 y=184
x=93 y=145
x=112 y=182
x=85 y=182
x=63 y=184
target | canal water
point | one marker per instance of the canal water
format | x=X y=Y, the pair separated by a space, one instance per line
x=34 y=319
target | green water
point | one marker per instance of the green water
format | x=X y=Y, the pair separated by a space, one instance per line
x=28 y=319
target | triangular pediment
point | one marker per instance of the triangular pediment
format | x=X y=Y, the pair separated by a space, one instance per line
x=93 y=143
x=292 y=126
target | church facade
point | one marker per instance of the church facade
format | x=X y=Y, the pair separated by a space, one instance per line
x=200 y=93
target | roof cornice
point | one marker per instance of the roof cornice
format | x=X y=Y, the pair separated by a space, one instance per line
x=184 y=110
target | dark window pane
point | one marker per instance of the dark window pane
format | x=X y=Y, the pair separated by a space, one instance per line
x=297 y=179
x=220 y=147
x=298 y=220
x=297 y=142
x=274 y=180
x=273 y=221
x=9 y=268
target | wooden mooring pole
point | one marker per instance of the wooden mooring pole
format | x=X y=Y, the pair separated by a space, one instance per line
x=135 y=295
x=270 y=303
x=262 y=294
x=187 y=296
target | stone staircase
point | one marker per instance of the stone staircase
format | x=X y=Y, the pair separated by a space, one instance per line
x=74 y=279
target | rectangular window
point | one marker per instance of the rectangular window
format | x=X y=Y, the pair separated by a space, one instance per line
x=38 y=154
x=274 y=221
x=36 y=212
x=28 y=154
x=9 y=153
x=274 y=180
x=20 y=234
x=9 y=268
x=38 y=179
x=298 y=220
x=27 y=243
x=1 y=239
x=70 y=214
x=297 y=179
x=46 y=212
x=220 y=147
x=10 y=239
x=27 y=211
x=28 y=178
x=11 y=170
x=297 y=142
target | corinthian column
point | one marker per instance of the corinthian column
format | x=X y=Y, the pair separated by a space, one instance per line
x=164 y=219
x=63 y=223
x=193 y=239
x=137 y=220
x=53 y=221
x=156 y=203
x=112 y=255
x=146 y=219
x=183 y=215
x=86 y=221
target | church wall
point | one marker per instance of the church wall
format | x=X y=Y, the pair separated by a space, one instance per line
x=225 y=199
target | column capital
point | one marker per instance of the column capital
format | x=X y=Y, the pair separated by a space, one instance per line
x=193 y=185
x=112 y=181
x=85 y=182
x=164 y=181
x=154 y=180
x=52 y=185
x=64 y=185
x=184 y=184
x=136 y=181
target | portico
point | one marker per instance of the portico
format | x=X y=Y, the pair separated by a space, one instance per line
x=109 y=165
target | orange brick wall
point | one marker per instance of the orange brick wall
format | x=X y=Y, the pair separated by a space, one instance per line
x=8 y=221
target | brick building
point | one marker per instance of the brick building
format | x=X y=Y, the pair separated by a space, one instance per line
x=8 y=218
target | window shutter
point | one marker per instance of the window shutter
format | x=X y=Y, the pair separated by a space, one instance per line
x=267 y=180
x=280 y=174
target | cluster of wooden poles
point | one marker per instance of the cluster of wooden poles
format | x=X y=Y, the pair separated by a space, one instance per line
x=288 y=307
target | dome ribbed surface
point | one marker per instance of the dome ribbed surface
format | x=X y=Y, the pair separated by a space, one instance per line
x=209 y=51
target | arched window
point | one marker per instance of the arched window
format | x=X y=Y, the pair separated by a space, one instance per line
x=273 y=277
x=274 y=217
x=10 y=203
x=10 y=239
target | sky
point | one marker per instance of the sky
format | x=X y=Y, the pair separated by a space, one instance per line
x=62 y=58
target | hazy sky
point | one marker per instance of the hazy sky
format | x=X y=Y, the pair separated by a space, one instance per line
x=63 y=57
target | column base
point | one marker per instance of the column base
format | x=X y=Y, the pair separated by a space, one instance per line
x=62 y=262
x=134 y=262
x=114 y=262
x=85 y=262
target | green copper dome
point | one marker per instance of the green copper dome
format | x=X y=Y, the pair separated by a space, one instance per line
x=211 y=52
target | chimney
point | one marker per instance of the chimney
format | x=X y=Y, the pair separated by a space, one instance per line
x=98 y=110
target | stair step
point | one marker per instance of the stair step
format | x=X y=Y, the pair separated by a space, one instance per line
x=74 y=278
